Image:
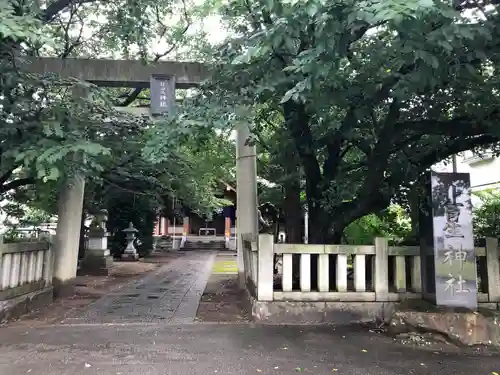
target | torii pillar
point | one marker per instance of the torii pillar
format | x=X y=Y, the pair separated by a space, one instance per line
x=68 y=231
x=67 y=239
x=246 y=193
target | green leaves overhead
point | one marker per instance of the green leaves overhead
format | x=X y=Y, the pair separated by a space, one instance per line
x=52 y=127
x=194 y=165
x=371 y=93
x=17 y=27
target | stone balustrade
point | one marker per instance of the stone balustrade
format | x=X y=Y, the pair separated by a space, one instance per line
x=24 y=267
x=250 y=260
x=350 y=273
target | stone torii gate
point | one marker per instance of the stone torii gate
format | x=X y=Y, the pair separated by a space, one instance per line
x=134 y=74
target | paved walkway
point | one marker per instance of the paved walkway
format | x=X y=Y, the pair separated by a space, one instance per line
x=204 y=349
x=169 y=295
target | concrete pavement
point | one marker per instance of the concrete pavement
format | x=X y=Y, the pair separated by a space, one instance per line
x=201 y=349
x=148 y=327
x=169 y=295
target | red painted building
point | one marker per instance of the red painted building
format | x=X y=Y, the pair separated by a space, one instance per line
x=222 y=224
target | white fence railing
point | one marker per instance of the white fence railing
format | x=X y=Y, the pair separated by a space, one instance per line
x=380 y=272
x=24 y=267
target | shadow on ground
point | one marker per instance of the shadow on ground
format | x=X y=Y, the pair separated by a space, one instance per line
x=201 y=349
x=90 y=288
x=223 y=301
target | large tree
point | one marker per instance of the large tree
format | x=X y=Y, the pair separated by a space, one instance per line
x=371 y=93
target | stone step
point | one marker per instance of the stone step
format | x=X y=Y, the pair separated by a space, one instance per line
x=163 y=244
x=205 y=245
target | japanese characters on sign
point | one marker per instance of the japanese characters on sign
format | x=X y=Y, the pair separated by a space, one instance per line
x=455 y=284
x=162 y=94
x=454 y=258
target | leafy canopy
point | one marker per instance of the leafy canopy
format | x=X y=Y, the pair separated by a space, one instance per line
x=371 y=93
x=52 y=127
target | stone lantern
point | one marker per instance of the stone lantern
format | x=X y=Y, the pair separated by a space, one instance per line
x=97 y=260
x=101 y=218
x=130 y=252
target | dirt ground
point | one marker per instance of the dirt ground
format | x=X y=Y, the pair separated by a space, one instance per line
x=90 y=288
x=223 y=300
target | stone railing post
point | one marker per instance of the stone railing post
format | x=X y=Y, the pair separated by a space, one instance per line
x=381 y=269
x=265 y=267
x=3 y=272
x=493 y=269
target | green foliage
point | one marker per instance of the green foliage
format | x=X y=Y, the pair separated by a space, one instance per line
x=56 y=127
x=193 y=166
x=19 y=215
x=140 y=29
x=392 y=223
x=486 y=219
x=16 y=26
x=125 y=208
x=364 y=230
x=370 y=93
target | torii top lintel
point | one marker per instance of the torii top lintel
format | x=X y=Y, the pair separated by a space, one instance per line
x=120 y=73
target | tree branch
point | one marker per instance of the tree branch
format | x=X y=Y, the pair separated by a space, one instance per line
x=457 y=127
x=55 y=8
x=16 y=183
x=7 y=175
x=333 y=147
x=136 y=92
x=456 y=146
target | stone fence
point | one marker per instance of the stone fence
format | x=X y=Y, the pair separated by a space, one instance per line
x=25 y=276
x=353 y=276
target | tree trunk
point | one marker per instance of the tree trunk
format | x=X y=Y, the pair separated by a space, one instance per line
x=318 y=232
x=414 y=199
x=319 y=224
x=293 y=212
x=81 y=247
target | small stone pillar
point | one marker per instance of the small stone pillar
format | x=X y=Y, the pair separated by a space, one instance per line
x=97 y=260
x=130 y=252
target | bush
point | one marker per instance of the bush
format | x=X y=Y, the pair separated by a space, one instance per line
x=486 y=219
x=392 y=223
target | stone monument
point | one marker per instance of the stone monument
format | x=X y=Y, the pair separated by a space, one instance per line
x=449 y=276
x=97 y=260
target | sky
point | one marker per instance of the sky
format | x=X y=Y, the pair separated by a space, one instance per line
x=211 y=25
